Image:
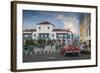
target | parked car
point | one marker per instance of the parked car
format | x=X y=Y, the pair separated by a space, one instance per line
x=70 y=49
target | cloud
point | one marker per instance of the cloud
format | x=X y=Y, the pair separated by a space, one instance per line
x=61 y=17
x=70 y=21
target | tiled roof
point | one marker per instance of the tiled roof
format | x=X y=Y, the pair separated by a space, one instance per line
x=55 y=30
x=29 y=30
x=45 y=23
x=61 y=30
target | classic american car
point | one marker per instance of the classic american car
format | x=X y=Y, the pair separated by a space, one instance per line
x=70 y=49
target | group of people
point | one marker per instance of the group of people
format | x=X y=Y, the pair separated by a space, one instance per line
x=83 y=46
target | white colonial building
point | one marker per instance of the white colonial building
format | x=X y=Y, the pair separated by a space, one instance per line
x=46 y=30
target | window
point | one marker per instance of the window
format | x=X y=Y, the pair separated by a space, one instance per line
x=39 y=35
x=34 y=35
x=26 y=36
x=47 y=35
x=63 y=35
x=72 y=36
x=39 y=27
x=68 y=36
x=52 y=35
x=48 y=27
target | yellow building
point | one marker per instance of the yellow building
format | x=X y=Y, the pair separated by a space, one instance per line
x=85 y=31
x=82 y=32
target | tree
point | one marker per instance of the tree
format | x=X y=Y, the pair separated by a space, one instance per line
x=43 y=44
x=63 y=42
x=58 y=42
x=53 y=41
x=48 y=42
x=39 y=41
x=34 y=42
x=28 y=45
x=29 y=42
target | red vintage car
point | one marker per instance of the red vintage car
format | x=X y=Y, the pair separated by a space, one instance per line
x=70 y=49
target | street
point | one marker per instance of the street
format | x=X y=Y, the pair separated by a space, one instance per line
x=52 y=57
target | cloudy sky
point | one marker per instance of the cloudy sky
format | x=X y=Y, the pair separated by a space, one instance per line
x=62 y=20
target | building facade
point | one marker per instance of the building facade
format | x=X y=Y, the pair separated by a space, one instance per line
x=47 y=31
x=85 y=31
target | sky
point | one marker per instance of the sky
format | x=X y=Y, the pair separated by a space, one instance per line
x=63 y=20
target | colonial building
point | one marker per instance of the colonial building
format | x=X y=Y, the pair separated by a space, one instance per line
x=46 y=30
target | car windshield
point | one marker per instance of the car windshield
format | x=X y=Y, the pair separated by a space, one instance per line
x=74 y=43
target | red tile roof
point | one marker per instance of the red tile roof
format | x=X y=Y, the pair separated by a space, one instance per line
x=45 y=23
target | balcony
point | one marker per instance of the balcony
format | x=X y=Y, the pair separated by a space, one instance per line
x=43 y=37
x=63 y=37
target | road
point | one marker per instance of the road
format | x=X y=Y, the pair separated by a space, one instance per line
x=52 y=57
